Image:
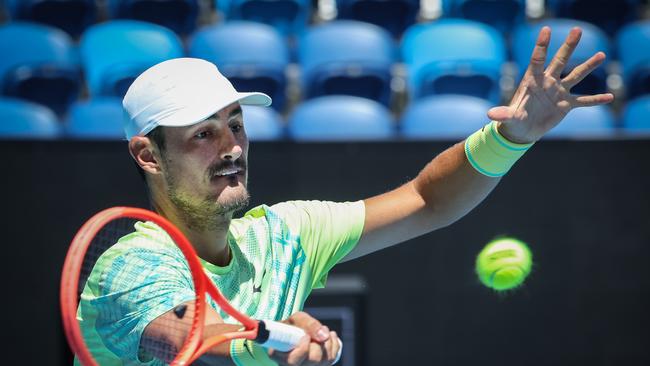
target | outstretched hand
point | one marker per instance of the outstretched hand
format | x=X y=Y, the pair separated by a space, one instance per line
x=543 y=98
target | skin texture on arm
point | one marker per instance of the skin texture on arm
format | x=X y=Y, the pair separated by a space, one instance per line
x=448 y=187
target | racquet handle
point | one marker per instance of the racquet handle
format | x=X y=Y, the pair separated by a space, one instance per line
x=279 y=336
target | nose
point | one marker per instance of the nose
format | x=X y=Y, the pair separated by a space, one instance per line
x=234 y=153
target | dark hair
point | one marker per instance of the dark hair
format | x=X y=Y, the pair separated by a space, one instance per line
x=158 y=137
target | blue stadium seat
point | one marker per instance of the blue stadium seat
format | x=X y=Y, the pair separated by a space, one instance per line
x=454 y=56
x=262 y=123
x=340 y=118
x=114 y=53
x=253 y=56
x=393 y=15
x=633 y=43
x=181 y=16
x=586 y=123
x=39 y=63
x=347 y=57
x=636 y=116
x=593 y=40
x=607 y=14
x=100 y=118
x=503 y=15
x=26 y=120
x=444 y=117
x=73 y=16
x=289 y=17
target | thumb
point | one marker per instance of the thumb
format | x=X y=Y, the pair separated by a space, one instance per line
x=500 y=114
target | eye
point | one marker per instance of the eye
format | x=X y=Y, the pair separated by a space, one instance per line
x=202 y=135
x=236 y=127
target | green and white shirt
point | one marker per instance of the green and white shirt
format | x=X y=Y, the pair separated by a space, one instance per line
x=279 y=254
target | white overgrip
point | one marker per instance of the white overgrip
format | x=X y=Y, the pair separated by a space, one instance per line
x=284 y=337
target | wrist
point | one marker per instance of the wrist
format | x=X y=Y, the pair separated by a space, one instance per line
x=514 y=135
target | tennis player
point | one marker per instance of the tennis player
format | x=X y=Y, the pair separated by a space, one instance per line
x=186 y=132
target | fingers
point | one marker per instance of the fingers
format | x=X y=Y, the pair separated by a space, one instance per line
x=309 y=353
x=591 y=100
x=582 y=70
x=501 y=113
x=538 y=58
x=310 y=325
x=564 y=53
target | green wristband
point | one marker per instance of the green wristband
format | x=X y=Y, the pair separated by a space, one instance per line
x=492 y=154
x=245 y=352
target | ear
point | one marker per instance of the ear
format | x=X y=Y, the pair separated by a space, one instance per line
x=145 y=154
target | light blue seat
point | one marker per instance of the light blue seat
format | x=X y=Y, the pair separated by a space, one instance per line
x=289 y=17
x=23 y=120
x=636 y=116
x=72 y=16
x=503 y=15
x=633 y=44
x=444 y=117
x=253 y=56
x=586 y=123
x=340 y=118
x=606 y=14
x=454 y=56
x=393 y=15
x=180 y=16
x=97 y=119
x=114 y=53
x=262 y=123
x=593 y=40
x=347 y=57
x=39 y=63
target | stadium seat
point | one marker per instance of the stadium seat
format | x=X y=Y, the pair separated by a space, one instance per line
x=633 y=43
x=73 y=16
x=586 y=123
x=606 y=14
x=26 y=120
x=444 y=117
x=503 y=15
x=636 y=116
x=289 y=17
x=114 y=53
x=262 y=123
x=454 y=56
x=253 y=56
x=360 y=65
x=39 y=63
x=340 y=118
x=181 y=16
x=99 y=118
x=393 y=15
x=593 y=40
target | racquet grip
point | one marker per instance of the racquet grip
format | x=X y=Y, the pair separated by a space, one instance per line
x=279 y=336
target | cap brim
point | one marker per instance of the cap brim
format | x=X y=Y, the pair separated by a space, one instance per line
x=255 y=99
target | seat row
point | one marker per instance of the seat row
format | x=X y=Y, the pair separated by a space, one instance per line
x=293 y=16
x=328 y=118
x=452 y=56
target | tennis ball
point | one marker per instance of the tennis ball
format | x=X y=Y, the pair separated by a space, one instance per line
x=504 y=264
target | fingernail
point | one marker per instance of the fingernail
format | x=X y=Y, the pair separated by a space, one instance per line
x=323 y=333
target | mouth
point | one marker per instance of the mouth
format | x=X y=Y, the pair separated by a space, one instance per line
x=231 y=172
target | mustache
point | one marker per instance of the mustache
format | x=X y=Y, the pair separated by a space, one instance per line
x=227 y=165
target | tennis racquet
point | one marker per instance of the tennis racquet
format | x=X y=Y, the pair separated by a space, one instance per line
x=102 y=232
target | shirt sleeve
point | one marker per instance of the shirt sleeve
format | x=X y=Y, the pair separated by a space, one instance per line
x=327 y=230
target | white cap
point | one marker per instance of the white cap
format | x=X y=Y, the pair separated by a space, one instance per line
x=180 y=92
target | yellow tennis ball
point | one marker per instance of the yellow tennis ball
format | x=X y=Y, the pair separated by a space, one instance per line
x=504 y=264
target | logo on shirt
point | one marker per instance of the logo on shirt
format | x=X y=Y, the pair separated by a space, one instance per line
x=258 y=289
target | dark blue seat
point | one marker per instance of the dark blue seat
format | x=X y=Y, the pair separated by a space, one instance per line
x=262 y=123
x=340 y=118
x=39 y=63
x=444 y=117
x=593 y=40
x=606 y=14
x=289 y=17
x=347 y=57
x=114 y=53
x=586 y=123
x=503 y=15
x=73 y=16
x=393 y=15
x=253 y=56
x=633 y=44
x=636 y=116
x=454 y=56
x=26 y=120
x=181 y=16
x=98 y=119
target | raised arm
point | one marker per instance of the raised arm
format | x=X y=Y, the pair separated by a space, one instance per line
x=450 y=186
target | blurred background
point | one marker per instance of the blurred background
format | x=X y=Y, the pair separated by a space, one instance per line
x=365 y=93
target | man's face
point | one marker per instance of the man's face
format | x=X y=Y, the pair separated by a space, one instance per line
x=204 y=167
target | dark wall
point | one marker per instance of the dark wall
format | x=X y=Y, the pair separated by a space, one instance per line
x=583 y=207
